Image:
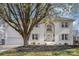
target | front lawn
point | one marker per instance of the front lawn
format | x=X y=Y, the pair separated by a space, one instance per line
x=69 y=52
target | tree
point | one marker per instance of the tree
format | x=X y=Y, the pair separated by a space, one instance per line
x=23 y=17
x=65 y=9
x=61 y=9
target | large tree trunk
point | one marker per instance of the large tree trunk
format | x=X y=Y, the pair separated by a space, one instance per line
x=25 y=42
x=26 y=38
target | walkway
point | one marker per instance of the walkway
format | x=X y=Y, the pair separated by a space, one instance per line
x=7 y=47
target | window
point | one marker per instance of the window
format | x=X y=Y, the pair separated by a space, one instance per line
x=65 y=44
x=64 y=36
x=49 y=28
x=64 y=25
x=33 y=43
x=36 y=25
x=53 y=40
x=3 y=41
x=35 y=36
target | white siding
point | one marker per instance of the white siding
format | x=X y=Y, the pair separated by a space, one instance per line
x=40 y=30
x=59 y=30
x=13 y=37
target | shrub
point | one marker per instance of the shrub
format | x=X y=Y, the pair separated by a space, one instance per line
x=33 y=43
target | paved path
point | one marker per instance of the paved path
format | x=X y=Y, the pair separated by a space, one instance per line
x=7 y=47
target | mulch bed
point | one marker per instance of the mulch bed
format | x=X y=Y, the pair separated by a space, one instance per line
x=44 y=48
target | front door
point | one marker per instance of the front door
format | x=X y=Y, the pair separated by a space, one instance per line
x=49 y=37
x=49 y=33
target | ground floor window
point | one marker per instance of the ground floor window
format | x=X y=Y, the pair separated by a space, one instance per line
x=65 y=44
x=35 y=36
x=64 y=36
x=2 y=41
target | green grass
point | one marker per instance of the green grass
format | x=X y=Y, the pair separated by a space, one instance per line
x=69 y=52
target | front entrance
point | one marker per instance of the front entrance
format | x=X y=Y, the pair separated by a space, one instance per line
x=49 y=37
x=50 y=33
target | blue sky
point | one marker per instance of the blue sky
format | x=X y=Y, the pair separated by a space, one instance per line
x=76 y=22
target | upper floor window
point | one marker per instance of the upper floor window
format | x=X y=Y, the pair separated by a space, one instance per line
x=35 y=36
x=64 y=25
x=36 y=25
x=49 y=28
x=64 y=36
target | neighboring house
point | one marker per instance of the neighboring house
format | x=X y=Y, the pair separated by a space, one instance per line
x=8 y=36
x=76 y=37
x=50 y=31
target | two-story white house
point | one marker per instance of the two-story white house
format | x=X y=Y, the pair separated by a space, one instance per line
x=50 y=31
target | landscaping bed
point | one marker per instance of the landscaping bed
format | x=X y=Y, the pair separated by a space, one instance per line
x=37 y=48
x=43 y=51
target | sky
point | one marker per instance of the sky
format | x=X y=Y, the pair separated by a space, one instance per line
x=76 y=22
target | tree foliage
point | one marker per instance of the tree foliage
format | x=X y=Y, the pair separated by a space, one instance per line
x=23 y=17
